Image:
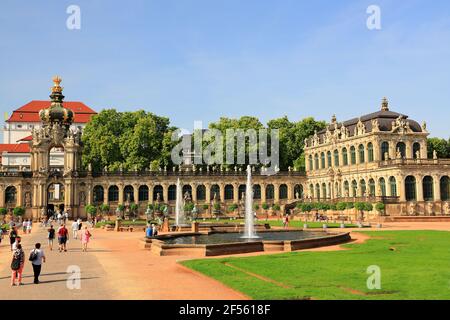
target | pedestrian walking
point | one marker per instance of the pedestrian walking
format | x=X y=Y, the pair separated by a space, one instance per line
x=12 y=237
x=29 y=226
x=51 y=237
x=17 y=264
x=37 y=257
x=16 y=243
x=63 y=236
x=85 y=237
x=75 y=230
x=24 y=226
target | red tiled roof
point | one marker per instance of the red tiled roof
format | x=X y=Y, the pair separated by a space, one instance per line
x=30 y=111
x=28 y=138
x=14 y=148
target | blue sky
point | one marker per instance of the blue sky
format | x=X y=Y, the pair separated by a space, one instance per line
x=202 y=59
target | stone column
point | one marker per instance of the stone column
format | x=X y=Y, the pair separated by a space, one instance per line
x=121 y=187
x=2 y=196
x=19 y=195
x=376 y=151
x=392 y=150
x=150 y=193
x=235 y=192
x=105 y=194
x=263 y=192
x=400 y=180
x=89 y=194
x=437 y=188
x=207 y=192
x=276 y=192
x=165 y=192
x=136 y=193
x=419 y=187
x=409 y=150
x=290 y=192
x=222 y=192
x=194 y=192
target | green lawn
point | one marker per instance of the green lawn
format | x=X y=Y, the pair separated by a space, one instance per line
x=413 y=264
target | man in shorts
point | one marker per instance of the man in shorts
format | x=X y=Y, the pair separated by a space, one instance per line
x=63 y=236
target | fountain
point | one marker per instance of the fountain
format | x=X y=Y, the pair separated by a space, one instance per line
x=249 y=230
x=179 y=209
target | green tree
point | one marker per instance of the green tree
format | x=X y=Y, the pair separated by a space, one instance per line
x=91 y=210
x=441 y=146
x=128 y=139
x=18 y=211
x=292 y=139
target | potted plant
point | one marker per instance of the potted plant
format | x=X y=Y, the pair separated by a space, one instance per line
x=104 y=208
x=276 y=208
x=91 y=212
x=3 y=212
x=119 y=210
x=232 y=208
x=216 y=208
x=134 y=209
x=18 y=211
x=380 y=207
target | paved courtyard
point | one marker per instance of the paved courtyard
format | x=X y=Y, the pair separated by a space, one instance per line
x=115 y=267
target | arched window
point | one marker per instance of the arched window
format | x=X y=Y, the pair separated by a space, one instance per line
x=143 y=193
x=428 y=192
x=336 y=158
x=362 y=185
x=10 y=195
x=311 y=168
x=229 y=192
x=445 y=188
x=371 y=187
x=99 y=194
x=256 y=191
x=269 y=192
x=353 y=155
x=283 y=191
x=113 y=194
x=361 y=153
x=382 y=183
x=346 y=188
x=354 y=188
x=322 y=160
x=242 y=190
x=329 y=159
x=316 y=162
x=201 y=192
x=370 y=152
x=172 y=193
x=318 y=192
x=393 y=186
x=384 y=150
x=215 y=192
x=311 y=190
x=324 y=191
x=158 y=192
x=401 y=146
x=298 y=191
x=345 y=156
x=416 y=150
x=128 y=193
x=410 y=188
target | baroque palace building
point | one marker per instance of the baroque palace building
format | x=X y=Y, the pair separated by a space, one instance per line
x=377 y=157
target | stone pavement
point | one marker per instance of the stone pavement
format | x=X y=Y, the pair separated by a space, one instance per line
x=54 y=276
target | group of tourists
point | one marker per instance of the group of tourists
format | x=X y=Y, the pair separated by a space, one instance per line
x=151 y=230
x=37 y=255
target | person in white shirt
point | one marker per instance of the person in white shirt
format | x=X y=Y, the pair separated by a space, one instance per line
x=75 y=229
x=39 y=257
x=14 y=246
x=29 y=226
x=59 y=216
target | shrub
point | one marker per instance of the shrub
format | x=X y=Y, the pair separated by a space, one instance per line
x=188 y=207
x=368 y=206
x=341 y=206
x=299 y=205
x=360 y=206
x=3 y=211
x=134 y=207
x=216 y=206
x=205 y=207
x=121 y=207
x=306 y=207
x=18 y=211
x=350 y=205
x=333 y=206
x=276 y=207
x=150 y=206
x=232 y=207
x=91 y=210
x=104 y=208
x=380 y=206
x=265 y=206
x=256 y=206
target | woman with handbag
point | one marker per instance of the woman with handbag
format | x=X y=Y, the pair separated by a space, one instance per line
x=17 y=263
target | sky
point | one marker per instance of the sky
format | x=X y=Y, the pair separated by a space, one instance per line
x=198 y=60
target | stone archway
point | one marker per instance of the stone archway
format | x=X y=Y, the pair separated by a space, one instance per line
x=55 y=197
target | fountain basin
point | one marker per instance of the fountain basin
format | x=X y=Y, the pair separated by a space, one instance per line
x=213 y=243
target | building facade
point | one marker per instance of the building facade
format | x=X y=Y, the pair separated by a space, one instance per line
x=378 y=157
